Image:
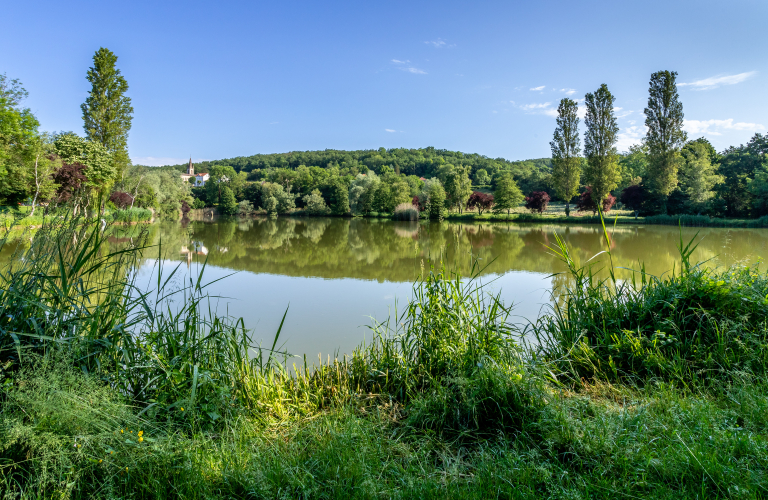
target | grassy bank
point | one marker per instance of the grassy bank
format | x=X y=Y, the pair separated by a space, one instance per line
x=652 y=391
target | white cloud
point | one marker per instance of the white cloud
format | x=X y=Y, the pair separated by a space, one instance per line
x=400 y=62
x=529 y=107
x=715 y=81
x=389 y=130
x=715 y=127
x=159 y=161
x=415 y=71
x=581 y=112
x=630 y=136
x=568 y=91
x=539 y=108
x=538 y=88
x=440 y=44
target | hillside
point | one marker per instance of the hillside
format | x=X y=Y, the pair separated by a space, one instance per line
x=423 y=162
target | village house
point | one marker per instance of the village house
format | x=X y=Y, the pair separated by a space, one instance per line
x=198 y=179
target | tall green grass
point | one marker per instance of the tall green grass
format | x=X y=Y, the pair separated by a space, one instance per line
x=693 y=325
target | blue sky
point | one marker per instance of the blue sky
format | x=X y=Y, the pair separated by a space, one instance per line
x=223 y=79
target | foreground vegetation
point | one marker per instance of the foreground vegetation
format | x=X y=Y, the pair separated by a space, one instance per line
x=651 y=391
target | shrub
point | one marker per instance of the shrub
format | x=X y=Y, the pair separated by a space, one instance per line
x=121 y=200
x=537 y=201
x=586 y=203
x=481 y=201
x=228 y=204
x=315 y=204
x=634 y=197
x=406 y=211
x=244 y=208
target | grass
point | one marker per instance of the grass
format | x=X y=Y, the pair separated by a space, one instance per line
x=445 y=402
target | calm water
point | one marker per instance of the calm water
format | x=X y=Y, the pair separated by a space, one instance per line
x=337 y=274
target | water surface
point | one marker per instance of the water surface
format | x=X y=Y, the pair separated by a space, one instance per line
x=337 y=274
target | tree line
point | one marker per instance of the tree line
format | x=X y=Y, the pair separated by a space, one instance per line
x=666 y=173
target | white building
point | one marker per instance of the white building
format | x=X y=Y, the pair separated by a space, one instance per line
x=199 y=179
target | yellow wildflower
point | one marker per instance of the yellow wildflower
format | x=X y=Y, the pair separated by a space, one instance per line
x=122 y=430
x=141 y=439
x=182 y=408
x=141 y=433
x=100 y=460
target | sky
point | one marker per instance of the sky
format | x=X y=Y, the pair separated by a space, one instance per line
x=216 y=80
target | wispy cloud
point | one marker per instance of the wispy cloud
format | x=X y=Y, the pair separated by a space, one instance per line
x=389 y=130
x=716 y=81
x=440 y=44
x=629 y=136
x=543 y=108
x=538 y=88
x=568 y=91
x=715 y=127
x=405 y=66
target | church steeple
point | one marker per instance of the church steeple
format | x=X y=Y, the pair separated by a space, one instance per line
x=191 y=168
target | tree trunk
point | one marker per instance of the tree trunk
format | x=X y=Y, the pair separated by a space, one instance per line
x=37 y=187
x=567 y=208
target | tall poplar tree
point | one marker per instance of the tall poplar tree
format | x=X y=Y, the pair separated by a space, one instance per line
x=566 y=163
x=107 y=112
x=602 y=172
x=665 y=137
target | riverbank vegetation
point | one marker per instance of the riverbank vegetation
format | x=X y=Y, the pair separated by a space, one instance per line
x=653 y=391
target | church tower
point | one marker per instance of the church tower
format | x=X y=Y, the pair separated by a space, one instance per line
x=191 y=168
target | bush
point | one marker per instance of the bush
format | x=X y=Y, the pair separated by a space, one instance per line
x=406 y=211
x=315 y=204
x=634 y=197
x=537 y=201
x=481 y=201
x=586 y=203
x=244 y=208
x=121 y=200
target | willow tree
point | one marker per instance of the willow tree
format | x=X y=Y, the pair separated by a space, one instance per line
x=665 y=137
x=566 y=163
x=107 y=112
x=602 y=172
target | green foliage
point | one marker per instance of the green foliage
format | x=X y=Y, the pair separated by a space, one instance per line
x=135 y=214
x=665 y=136
x=507 y=195
x=18 y=140
x=633 y=165
x=696 y=327
x=107 y=112
x=698 y=176
x=227 y=203
x=315 y=204
x=100 y=168
x=602 y=171
x=566 y=162
x=432 y=199
x=458 y=186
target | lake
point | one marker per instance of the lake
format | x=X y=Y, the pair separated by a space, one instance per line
x=336 y=274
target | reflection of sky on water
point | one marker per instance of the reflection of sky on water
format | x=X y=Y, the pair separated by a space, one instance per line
x=329 y=315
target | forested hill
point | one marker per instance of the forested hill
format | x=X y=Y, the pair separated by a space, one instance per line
x=421 y=162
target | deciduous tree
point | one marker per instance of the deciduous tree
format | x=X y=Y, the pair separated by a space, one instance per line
x=107 y=112
x=602 y=172
x=507 y=195
x=665 y=136
x=566 y=147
